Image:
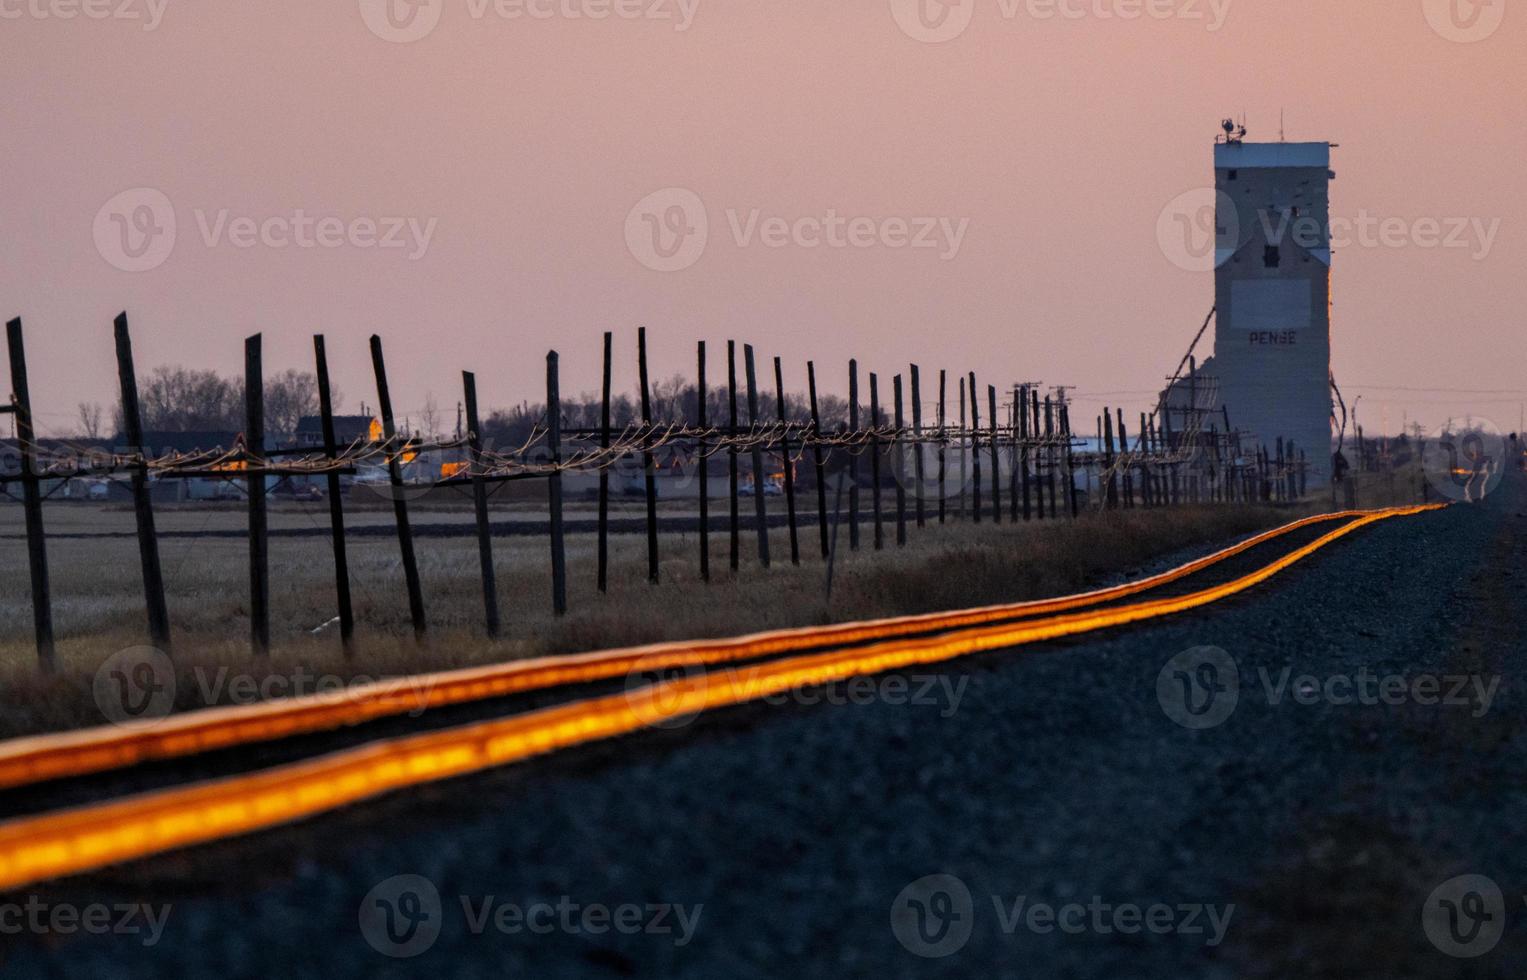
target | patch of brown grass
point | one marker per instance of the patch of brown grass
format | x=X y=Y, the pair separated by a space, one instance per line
x=98 y=603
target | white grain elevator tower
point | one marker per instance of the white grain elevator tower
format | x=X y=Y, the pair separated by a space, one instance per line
x=1272 y=290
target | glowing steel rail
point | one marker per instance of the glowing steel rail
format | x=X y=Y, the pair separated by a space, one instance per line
x=72 y=841
x=38 y=759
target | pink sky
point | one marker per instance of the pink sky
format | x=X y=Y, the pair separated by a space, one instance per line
x=528 y=141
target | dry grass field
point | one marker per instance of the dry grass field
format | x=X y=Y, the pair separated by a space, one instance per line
x=98 y=607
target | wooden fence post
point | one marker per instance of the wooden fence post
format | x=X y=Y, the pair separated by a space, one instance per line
x=975 y=450
x=785 y=460
x=1169 y=444
x=649 y=463
x=254 y=464
x=31 y=492
x=1065 y=429
x=336 y=501
x=1021 y=409
x=1110 y=485
x=604 y=467
x=554 y=486
x=963 y=453
x=731 y=455
x=399 y=499
x=853 y=456
x=996 y=466
x=1145 y=476
x=760 y=477
x=143 y=509
x=818 y=457
x=875 y=506
x=899 y=450
x=1053 y=462
x=1012 y=485
x=943 y=443
x=917 y=439
x=1039 y=454
x=480 y=505
x=704 y=462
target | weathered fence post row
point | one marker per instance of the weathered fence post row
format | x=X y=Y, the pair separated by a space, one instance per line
x=1190 y=463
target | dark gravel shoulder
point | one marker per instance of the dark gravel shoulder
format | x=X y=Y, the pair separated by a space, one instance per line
x=1313 y=834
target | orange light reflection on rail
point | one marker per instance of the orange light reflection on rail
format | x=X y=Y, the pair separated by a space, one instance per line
x=88 y=837
x=40 y=758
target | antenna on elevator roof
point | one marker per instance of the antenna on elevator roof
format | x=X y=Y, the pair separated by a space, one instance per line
x=1282 y=137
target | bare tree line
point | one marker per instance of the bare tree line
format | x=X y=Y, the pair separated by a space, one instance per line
x=174 y=398
x=179 y=399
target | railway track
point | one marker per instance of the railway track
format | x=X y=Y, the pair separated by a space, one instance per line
x=717 y=674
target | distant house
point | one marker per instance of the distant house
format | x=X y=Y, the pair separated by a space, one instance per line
x=348 y=430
